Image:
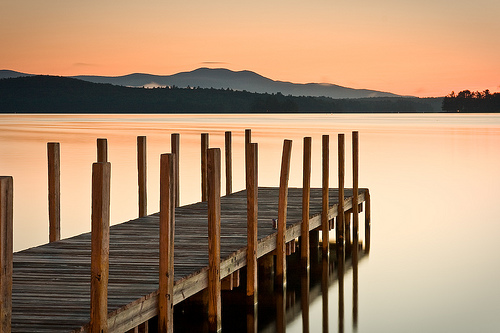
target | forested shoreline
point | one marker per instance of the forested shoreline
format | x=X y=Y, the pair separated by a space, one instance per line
x=53 y=94
x=468 y=101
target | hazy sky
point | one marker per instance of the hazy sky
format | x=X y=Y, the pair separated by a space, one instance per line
x=423 y=48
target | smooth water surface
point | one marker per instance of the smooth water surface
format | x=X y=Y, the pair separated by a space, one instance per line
x=434 y=183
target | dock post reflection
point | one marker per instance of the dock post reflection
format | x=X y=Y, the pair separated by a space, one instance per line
x=304 y=297
x=325 y=277
x=280 y=294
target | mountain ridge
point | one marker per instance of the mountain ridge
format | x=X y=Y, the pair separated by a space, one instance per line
x=222 y=78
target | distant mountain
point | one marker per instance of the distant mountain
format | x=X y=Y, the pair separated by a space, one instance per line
x=221 y=78
x=6 y=74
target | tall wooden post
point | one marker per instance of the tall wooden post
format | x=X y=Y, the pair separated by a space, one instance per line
x=282 y=206
x=367 y=221
x=355 y=190
x=204 y=149
x=306 y=191
x=248 y=139
x=54 y=166
x=229 y=163
x=101 y=174
x=142 y=175
x=252 y=212
x=355 y=228
x=167 y=225
x=175 y=149
x=340 y=215
x=102 y=150
x=214 y=284
x=6 y=254
x=325 y=229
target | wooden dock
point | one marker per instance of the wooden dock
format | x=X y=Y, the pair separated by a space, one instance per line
x=51 y=283
x=115 y=279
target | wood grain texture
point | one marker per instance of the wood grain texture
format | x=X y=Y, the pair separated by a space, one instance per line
x=252 y=219
x=54 y=178
x=6 y=256
x=102 y=150
x=325 y=182
x=204 y=167
x=101 y=175
x=306 y=190
x=166 y=263
x=214 y=238
x=142 y=175
x=282 y=213
x=175 y=142
x=229 y=162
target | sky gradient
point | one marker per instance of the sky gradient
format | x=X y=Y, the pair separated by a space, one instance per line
x=421 y=48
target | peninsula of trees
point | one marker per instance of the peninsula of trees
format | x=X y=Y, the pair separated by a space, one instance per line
x=467 y=101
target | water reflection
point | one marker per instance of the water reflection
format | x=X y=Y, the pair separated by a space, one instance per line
x=288 y=308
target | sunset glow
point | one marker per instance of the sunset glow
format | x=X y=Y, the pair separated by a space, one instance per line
x=424 y=48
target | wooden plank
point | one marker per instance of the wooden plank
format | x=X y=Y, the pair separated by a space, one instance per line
x=102 y=150
x=142 y=175
x=101 y=175
x=6 y=256
x=252 y=219
x=175 y=142
x=54 y=177
x=306 y=192
x=204 y=149
x=229 y=162
x=214 y=285
x=282 y=211
x=166 y=265
x=325 y=181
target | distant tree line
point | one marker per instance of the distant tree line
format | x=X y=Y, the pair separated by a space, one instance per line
x=52 y=94
x=467 y=101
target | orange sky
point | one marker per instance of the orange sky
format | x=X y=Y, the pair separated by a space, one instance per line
x=422 y=48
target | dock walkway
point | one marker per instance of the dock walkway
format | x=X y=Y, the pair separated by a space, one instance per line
x=51 y=283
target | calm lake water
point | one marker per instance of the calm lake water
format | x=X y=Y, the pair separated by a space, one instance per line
x=434 y=182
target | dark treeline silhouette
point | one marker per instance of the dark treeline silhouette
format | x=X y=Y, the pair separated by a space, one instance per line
x=467 y=101
x=53 y=94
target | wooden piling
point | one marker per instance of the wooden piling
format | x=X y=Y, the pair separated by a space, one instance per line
x=355 y=190
x=282 y=206
x=325 y=204
x=229 y=162
x=175 y=141
x=142 y=175
x=306 y=191
x=167 y=231
x=204 y=149
x=6 y=252
x=214 y=284
x=54 y=166
x=102 y=150
x=252 y=212
x=340 y=215
x=367 y=221
x=101 y=174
